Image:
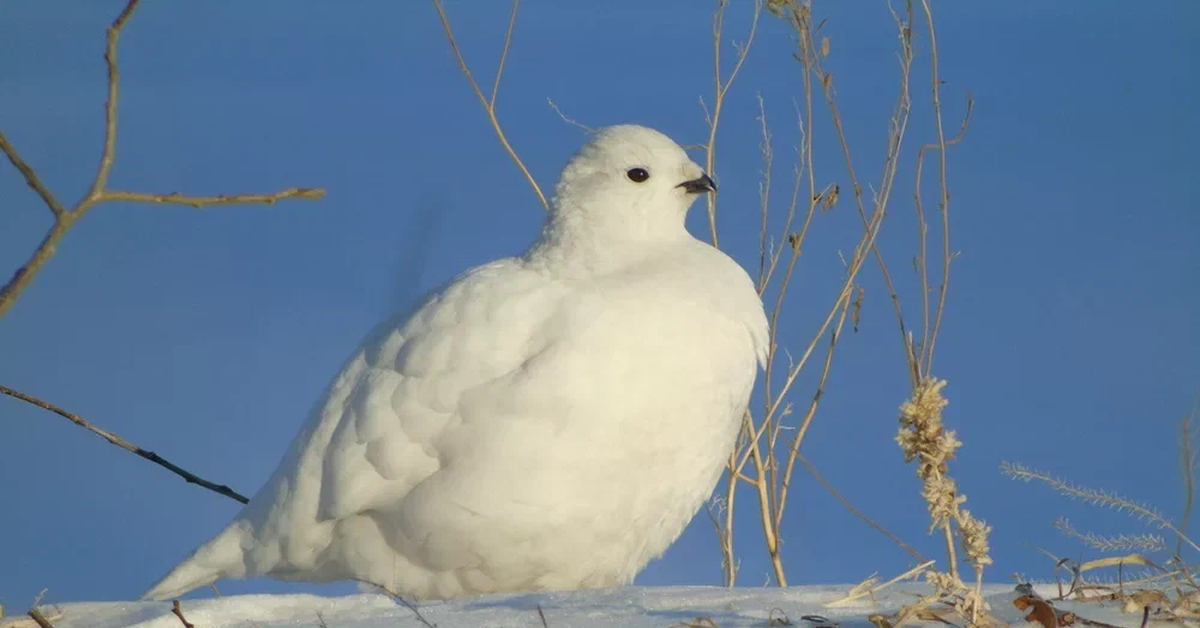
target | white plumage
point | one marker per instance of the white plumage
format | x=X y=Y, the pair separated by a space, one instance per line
x=550 y=421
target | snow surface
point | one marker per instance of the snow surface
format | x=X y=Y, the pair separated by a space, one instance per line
x=628 y=607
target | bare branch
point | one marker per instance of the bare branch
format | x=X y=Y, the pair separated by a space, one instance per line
x=899 y=124
x=25 y=274
x=191 y=478
x=31 y=177
x=922 y=260
x=512 y=21
x=98 y=192
x=110 y=105
x=721 y=87
x=489 y=105
x=856 y=512
x=177 y=610
x=201 y=202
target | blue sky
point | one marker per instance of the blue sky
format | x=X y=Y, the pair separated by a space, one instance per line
x=1071 y=335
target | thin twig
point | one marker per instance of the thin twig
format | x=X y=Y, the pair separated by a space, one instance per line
x=721 y=87
x=489 y=106
x=31 y=177
x=896 y=136
x=858 y=513
x=411 y=607
x=178 y=611
x=191 y=478
x=922 y=264
x=512 y=21
x=1187 y=455
x=794 y=449
x=98 y=191
x=944 y=206
x=569 y=120
x=199 y=202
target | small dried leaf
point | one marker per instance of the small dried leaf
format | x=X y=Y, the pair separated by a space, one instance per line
x=829 y=197
x=1039 y=611
x=824 y=46
x=858 y=307
x=1113 y=561
x=880 y=621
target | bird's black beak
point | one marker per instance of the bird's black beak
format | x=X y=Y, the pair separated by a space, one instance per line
x=697 y=186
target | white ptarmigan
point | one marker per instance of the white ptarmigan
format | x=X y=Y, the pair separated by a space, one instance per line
x=544 y=422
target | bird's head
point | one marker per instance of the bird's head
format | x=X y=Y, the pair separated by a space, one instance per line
x=629 y=181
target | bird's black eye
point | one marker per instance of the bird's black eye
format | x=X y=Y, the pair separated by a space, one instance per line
x=637 y=175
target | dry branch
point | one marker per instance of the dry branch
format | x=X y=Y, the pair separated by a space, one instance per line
x=98 y=191
x=720 y=88
x=178 y=611
x=190 y=477
x=489 y=104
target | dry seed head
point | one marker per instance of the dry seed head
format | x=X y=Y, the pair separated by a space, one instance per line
x=974 y=534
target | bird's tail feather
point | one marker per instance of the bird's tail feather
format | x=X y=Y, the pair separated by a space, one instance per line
x=221 y=557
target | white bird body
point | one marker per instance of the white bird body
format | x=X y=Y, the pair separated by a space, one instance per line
x=546 y=422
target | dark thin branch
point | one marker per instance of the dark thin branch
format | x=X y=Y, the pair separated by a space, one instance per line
x=191 y=478
x=856 y=512
x=178 y=611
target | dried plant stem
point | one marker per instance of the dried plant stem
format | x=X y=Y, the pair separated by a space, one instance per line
x=720 y=88
x=771 y=474
x=1187 y=459
x=98 y=191
x=858 y=513
x=794 y=448
x=944 y=205
x=489 y=104
x=770 y=531
x=899 y=123
x=951 y=554
x=1098 y=498
x=190 y=477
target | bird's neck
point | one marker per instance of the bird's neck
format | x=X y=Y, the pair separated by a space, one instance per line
x=574 y=242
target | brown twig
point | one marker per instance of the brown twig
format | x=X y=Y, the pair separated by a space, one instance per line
x=489 y=105
x=191 y=478
x=98 y=191
x=178 y=611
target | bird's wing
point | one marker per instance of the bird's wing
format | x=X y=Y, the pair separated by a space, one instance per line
x=401 y=397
